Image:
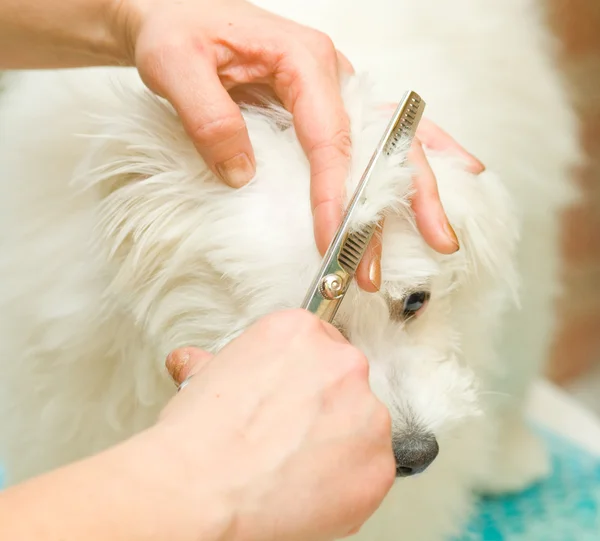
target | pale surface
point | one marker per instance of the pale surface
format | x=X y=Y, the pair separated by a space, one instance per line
x=560 y=413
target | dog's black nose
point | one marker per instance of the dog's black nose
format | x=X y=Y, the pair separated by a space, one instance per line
x=414 y=453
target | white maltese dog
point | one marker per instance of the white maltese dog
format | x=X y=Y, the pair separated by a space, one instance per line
x=119 y=245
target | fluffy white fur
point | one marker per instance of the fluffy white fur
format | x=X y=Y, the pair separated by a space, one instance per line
x=118 y=245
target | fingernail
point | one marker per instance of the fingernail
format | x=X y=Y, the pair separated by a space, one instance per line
x=476 y=166
x=354 y=530
x=236 y=171
x=375 y=272
x=451 y=234
x=175 y=363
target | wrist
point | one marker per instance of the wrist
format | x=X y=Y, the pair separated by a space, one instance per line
x=123 y=19
x=76 y=33
x=190 y=503
x=134 y=491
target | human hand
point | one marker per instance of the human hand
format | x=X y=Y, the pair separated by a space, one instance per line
x=282 y=425
x=430 y=216
x=194 y=54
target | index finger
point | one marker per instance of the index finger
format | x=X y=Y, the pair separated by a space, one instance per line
x=313 y=97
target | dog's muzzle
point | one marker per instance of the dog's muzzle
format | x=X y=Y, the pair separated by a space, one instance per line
x=414 y=452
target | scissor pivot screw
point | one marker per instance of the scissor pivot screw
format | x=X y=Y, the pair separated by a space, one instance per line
x=332 y=286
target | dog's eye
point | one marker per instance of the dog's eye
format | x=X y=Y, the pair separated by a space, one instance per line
x=415 y=303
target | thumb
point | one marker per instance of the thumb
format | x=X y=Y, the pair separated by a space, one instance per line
x=182 y=363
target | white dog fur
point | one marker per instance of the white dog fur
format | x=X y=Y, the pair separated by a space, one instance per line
x=118 y=245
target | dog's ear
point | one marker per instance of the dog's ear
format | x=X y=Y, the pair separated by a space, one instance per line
x=481 y=211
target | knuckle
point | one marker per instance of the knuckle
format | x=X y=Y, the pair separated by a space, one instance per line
x=339 y=143
x=331 y=154
x=324 y=47
x=356 y=363
x=219 y=130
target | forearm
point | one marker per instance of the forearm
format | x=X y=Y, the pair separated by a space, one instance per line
x=132 y=492
x=57 y=33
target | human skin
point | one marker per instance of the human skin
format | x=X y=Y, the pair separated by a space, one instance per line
x=304 y=453
x=195 y=53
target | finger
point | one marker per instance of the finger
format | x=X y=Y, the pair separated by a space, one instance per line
x=368 y=273
x=432 y=136
x=345 y=67
x=211 y=118
x=184 y=362
x=353 y=531
x=312 y=95
x=429 y=213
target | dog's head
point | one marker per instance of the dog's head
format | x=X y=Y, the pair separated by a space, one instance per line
x=196 y=262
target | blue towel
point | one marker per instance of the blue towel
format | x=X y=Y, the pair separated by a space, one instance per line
x=564 y=507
